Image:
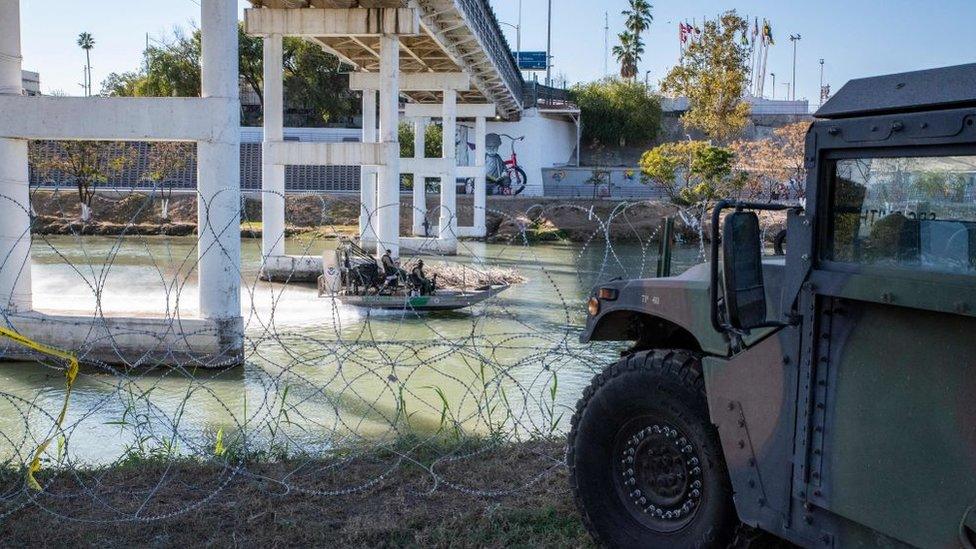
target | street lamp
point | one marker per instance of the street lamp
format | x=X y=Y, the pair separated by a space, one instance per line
x=773 y=74
x=518 y=41
x=794 y=38
x=646 y=81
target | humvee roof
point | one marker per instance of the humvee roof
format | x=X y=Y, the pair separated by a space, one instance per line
x=943 y=88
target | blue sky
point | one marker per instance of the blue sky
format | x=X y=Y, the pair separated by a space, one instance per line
x=855 y=37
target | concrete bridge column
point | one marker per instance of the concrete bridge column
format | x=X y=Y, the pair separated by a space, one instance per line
x=480 y=130
x=367 y=181
x=219 y=184
x=272 y=174
x=447 y=225
x=388 y=180
x=15 y=238
x=419 y=179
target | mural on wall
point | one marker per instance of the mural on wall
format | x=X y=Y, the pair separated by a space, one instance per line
x=503 y=177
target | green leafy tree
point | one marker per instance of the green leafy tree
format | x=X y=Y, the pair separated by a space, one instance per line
x=712 y=75
x=316 y=90
x=433 y=137
x=616 y=112
x=432 y=140
x=692 y=173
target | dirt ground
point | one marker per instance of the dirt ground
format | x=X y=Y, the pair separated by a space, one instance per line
x=513 y=495
x=514 y=220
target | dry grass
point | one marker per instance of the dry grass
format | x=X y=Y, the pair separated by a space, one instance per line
x=456 y=275
x=276 y=504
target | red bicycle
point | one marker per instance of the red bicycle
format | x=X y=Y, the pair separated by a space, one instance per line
x=516 y=175
x=511 y=179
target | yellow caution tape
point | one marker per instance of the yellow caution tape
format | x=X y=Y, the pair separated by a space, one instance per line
x=70 y=374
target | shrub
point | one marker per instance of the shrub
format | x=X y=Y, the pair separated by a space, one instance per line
x=616 y=112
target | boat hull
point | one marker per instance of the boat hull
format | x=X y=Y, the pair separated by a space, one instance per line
x=442 y=301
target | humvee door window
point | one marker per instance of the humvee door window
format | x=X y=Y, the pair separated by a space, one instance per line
x=907 y=212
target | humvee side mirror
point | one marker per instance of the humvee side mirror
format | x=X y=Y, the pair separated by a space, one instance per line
x=745 y=293
x=742 y=270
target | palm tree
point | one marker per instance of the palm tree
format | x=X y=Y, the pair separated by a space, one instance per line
x=628 y=54
x=638 y=16
x=86 y=42
x=631 y=47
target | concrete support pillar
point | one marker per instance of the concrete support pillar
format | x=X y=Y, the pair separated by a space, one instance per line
x=15 y=238
x=419 y=179
x=480 y=130
x=273 y=175
x=367 y=180
x=388 y=180
x=447 y=225
x=218 y=173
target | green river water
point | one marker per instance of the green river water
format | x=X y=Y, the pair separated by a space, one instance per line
x=318 y=373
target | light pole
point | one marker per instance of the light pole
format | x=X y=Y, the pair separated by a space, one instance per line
x=794 y=38
x=647 y=84
x=773 y=74
x=518 y=41
x=549 y=47
x=821 y=82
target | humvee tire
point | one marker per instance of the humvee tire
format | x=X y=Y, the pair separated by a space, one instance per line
x=646 y=466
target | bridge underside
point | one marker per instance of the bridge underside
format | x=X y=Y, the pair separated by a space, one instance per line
x=455 y=36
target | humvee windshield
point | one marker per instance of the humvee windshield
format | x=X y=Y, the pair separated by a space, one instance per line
x=915 y=212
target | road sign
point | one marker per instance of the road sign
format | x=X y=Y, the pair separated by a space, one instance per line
x=532 y=60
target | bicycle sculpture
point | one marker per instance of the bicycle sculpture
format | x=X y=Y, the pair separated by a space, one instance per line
x=505 y=177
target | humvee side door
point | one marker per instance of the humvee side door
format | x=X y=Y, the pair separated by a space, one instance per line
x=886 y=419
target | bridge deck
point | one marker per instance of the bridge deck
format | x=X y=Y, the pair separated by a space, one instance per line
x=457 y=35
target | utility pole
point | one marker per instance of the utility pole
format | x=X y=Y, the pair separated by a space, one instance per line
x=549 y=47
x=606 y=43
x=773 y=74
x=794 y=38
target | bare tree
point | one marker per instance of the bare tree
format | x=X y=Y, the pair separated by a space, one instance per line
x=86 y=164
x=166 y=160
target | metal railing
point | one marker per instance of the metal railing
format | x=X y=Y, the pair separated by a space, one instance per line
x=539 y=95
x=484 y=24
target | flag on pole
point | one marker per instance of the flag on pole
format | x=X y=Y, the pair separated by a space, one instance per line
x=767 y=33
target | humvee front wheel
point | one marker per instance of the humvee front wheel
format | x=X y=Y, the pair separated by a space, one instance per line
x=645 y=462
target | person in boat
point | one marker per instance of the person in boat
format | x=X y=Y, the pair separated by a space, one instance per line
x=392 y=273
x=419 y=280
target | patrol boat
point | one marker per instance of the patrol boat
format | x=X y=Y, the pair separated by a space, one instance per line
x=356 y=278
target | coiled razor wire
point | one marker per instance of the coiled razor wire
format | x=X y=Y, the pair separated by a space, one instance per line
x=323 y=385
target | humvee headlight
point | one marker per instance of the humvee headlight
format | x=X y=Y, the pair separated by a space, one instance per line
x=593 y=306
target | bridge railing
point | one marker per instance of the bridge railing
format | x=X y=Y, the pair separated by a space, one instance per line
x=546 y=97
x=483 y=22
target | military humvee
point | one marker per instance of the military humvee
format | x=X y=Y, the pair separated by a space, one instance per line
x=827 y=397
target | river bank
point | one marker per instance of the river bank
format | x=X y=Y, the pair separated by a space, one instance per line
x=508 y=219
x=417 y=494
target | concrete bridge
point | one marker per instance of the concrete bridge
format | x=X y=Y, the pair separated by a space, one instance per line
x=446 y=58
